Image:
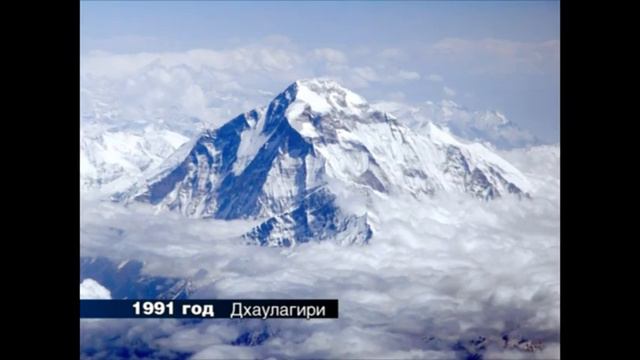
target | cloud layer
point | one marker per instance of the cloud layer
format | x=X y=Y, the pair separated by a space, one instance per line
x=198 y=88
x=499 y=56
x=442 y=277
x=212 y=85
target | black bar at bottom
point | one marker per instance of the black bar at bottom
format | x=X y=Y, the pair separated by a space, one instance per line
x=212 y=309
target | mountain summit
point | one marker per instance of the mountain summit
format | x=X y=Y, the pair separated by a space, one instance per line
x=286 y=163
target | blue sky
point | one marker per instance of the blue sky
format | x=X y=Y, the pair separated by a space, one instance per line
x=483 y=55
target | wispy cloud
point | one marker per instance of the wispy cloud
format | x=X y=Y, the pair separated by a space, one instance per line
x=449 y=92
x=492 y=55
x=435 y=78
x=330 y=55
x=393 y=54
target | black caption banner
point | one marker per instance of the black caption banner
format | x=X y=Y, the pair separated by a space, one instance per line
x=209 y=309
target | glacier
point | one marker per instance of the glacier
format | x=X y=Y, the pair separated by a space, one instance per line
x=290 y=162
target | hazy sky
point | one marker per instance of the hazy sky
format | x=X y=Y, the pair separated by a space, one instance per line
x=483 y=55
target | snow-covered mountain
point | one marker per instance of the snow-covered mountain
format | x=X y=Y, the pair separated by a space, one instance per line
x=111 y=159
x=485 y=126
x=288 y=162
x=91 y=289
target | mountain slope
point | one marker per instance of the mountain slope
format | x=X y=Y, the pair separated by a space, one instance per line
x=283 y=163
x=110 y=159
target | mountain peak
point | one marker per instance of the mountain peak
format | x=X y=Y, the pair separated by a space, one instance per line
x=288 y=164
x=318 y=107
x=320 y=83
x=323 y=95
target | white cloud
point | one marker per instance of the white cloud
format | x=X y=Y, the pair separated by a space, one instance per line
x=396 y=95
x=362 y=76
x=210 y=86
x=408 y=75
x=278 y=40
x=449 y=91
x=235 y=61
x=122 y=42
x=330 y=55
x=438 y=271
x=541 y=165
x=491 y=55
x=435 y=78
x=393 y=54
x=367 y=73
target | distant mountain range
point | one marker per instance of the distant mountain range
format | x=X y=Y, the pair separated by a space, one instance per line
x=487 y=126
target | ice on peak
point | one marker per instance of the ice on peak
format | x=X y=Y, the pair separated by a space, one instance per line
x=319 y=83
x=324 y=85
x=322 y=98
x=324 y=95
